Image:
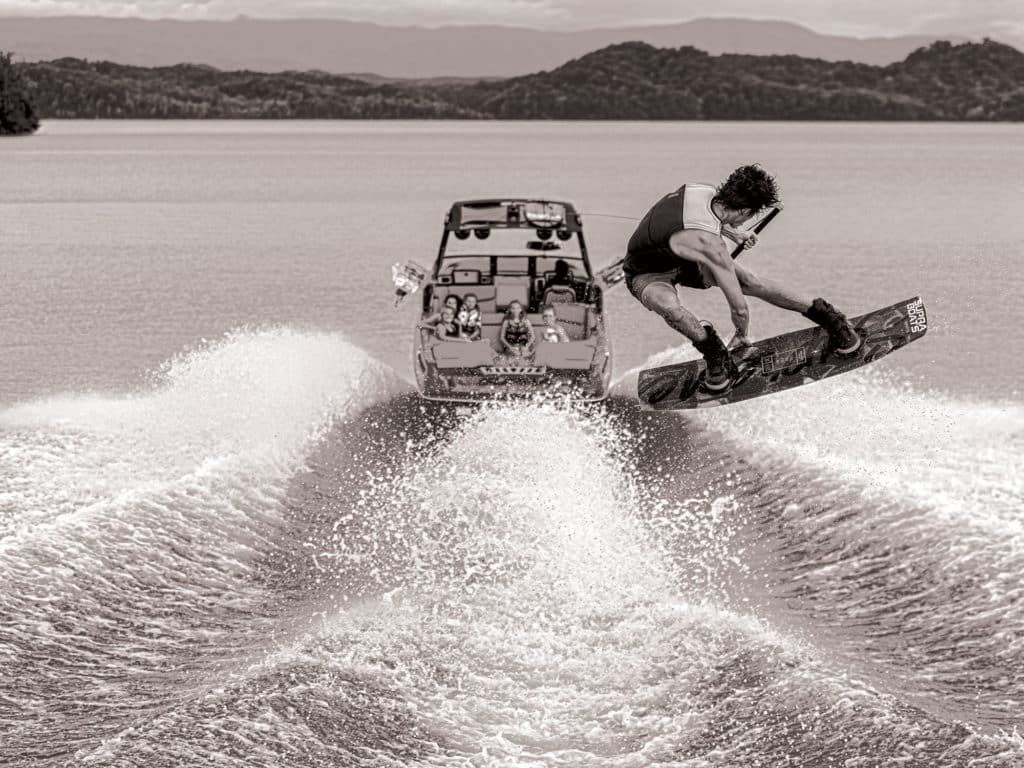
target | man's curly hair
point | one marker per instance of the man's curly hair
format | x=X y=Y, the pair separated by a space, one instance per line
x=749 y=186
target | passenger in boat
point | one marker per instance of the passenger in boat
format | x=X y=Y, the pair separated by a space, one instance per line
x=448 y=328
x=469 y=318
x=679 y=242
x=516 y=335
x=552 y=331
x=452 y=301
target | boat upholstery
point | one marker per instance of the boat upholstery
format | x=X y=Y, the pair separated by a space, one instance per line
x=509 y=288
x=559 y=294
x=576 y=355
x=460 y=354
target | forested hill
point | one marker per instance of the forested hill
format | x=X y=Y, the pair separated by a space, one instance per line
x=631 y=81
x=973 y=81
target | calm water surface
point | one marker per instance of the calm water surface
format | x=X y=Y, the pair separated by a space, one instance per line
x=229 y=535
x=125 y=242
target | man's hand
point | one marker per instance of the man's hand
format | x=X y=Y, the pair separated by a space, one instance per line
x=739 y=340
x=744 y=237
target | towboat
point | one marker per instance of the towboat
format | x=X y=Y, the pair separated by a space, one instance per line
x=504 y=251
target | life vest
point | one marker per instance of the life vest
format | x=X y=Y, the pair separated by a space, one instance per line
x=469 y=320
x=517 y=334
x=689 y=207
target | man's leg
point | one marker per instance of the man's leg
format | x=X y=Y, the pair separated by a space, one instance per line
x=844 y=338
x=661 y=297
x=772 y=291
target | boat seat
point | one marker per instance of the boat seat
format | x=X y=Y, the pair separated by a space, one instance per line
x=576 y=355
x=559 y=294
x=509 y=288
x=460 y=354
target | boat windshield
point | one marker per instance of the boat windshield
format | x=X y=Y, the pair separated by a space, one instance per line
x=470 y=268
x=518 y=242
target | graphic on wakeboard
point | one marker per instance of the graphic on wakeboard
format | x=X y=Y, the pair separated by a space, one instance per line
x=782 y=362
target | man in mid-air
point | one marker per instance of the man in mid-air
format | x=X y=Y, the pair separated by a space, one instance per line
x=679 y=242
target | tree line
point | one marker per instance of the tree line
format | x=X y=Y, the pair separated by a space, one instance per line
x=630 y=81
x=972 y=81
x=17 y=113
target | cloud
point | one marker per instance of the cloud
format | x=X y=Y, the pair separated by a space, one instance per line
x=978 y=18
x=999 y=18
x=538 y=13
x=112 y=8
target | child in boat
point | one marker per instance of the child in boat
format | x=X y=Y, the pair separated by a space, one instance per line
x=469 y=318
x=552 y=331
x=516 y=336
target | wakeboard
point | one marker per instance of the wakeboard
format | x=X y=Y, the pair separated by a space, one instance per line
x=782 y=362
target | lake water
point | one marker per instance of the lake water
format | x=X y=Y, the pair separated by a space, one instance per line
x=230 y=535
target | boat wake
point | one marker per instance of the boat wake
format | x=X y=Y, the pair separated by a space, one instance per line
x=280 y=556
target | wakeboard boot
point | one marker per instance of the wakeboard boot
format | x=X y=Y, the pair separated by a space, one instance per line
x=845 y=340
x=720 y=367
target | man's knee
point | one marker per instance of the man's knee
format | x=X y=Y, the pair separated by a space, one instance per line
x=659 y=297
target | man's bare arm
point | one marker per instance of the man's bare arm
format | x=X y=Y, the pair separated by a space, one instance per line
x=709 y=251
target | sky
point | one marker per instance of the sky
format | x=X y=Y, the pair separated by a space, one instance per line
x=1000 y=19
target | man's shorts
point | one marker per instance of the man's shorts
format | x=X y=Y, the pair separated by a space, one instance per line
x=689 y=276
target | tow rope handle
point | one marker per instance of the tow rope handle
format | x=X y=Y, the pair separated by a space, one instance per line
x=740 y=248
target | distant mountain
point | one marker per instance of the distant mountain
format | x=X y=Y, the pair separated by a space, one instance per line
x=72 y=88
x=409 y=52
x=630 y=81
x=971 y=81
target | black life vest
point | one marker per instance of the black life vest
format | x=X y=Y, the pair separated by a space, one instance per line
x=469 y=320
x=517 y=334
x=689 y=207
